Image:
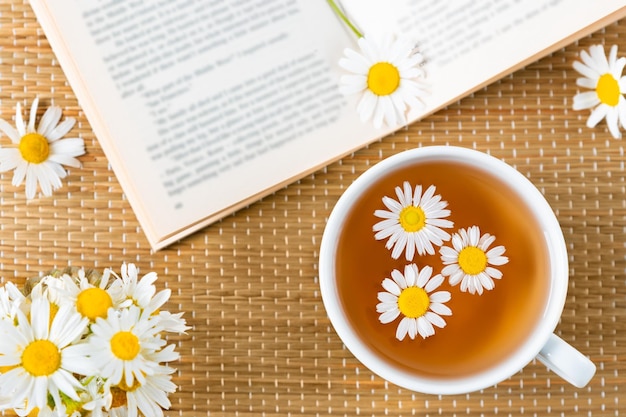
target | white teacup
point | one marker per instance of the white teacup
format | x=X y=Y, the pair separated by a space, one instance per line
x=539 y=342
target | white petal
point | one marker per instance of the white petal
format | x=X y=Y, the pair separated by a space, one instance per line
x=485 y=241
x=367 y=106
x=19 y=121
x=49 y=120
x=397 y=276
x=403 y=328
x=448 y=255
x=587 y=83
x=399 y=246
x=435 y=319
x=424 y=327
x=597 y=115
x=357 y=62
x=391 y=286
x=585 y=100
x=379 y=114
x=486 y=281
x=612 y=123
x=411 y=275
x=384 y=214
x=493 y=272
x=386 y=297
x=434 y=283
x=410 y=247
x=33 y=115
x=384 y=307
x=440 y=297
x=61 y=130
x=389 y=316
x=10 y=131
x=424 y=274
x=441 y=309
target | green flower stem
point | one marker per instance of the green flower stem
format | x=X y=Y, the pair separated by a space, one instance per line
x=343 y=17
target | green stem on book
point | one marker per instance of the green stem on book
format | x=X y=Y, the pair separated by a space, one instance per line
x=343 y=17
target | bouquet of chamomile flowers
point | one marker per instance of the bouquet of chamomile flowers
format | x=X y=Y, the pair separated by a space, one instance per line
x=79 y=343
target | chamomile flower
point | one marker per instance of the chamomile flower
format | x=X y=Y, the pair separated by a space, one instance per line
x=138 y=291
x=89 y=300
x=411 y=296
x=149 y=397
x=388 y=76
x=141 y=292
x=43 y=357
x=122 y=343
x=469 y=260
x=414 y=222
x=37 y=154
x=604 y=77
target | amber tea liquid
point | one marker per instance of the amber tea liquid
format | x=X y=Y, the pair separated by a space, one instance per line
x=483 y=329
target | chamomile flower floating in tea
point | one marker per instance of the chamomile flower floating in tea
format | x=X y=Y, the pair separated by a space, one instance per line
x=40 y=357
x=388 y=76
x=604 y=78
x=469 y=260
x=413 y=222
x=37 y=155
x=411 y=296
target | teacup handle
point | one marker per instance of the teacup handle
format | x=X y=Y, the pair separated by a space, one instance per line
x=568 y=363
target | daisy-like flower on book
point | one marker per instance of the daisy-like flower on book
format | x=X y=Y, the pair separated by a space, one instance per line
x=413 y=222
x=37 y=154
x=41 y=358
x=388 y=76
x=469 y=261
x=411 y=295
x=604 y=78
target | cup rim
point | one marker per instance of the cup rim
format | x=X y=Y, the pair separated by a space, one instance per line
x=525 y=353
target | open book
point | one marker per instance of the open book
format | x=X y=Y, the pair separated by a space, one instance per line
x=204 y=106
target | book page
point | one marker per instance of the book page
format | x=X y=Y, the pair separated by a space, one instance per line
x=201 y=105
x=204 y=106
x=468 y=44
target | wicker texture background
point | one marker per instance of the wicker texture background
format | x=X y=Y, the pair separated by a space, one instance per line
x=261 y=342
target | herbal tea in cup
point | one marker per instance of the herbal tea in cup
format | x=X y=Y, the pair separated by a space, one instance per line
x=444 y=270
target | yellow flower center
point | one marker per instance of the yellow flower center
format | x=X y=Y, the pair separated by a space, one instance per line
x=41 y=358
x=412 y=219
x=93 y=303
x=125 y=345
x=472 y=260
x=608 y=90
x=383 y=78
x=34 y=148
x=413 y=302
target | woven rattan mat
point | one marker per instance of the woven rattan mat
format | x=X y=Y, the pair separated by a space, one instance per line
x=261 y=342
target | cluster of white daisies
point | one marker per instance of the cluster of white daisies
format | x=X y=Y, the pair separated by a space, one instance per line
x=80 y=344
x=415 y=223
